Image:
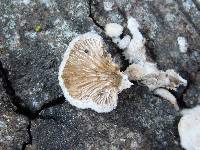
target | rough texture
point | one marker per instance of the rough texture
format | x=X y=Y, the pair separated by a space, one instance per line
x=13 y=127
x=162 y=22
x=33 y=37
x=33 y=58
x=141 y=121
x=192 y=96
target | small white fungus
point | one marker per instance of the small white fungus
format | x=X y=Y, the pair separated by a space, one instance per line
x=146 y=72
x=135 y=52
x=189 y=129
x=113 y=30
x=182 y=43
x=123 y=43
x=133 y=25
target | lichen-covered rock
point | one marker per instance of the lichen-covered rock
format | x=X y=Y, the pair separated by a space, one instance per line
x=141 y=121
x=33 y=39
x=162 y=22
x=13 y=126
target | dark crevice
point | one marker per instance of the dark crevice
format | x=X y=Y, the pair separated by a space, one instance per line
x=116 y=50
x=15 y=99
x=149 y=45
x=54 y=102
x=18 y=102
x=187 y=16
x=92 y=17
x=29 y=142
x=179 y=94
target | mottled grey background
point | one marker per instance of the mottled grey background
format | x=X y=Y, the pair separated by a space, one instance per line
x=33 y=112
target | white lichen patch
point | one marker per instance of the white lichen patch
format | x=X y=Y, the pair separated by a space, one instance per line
x=88 y=77
x=188 y=4
x=108 y=5
x=189 y=129
x=113 y=30
x=183 y=44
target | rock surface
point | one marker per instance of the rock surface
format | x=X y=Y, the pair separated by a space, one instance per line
x=141 y=121
x=33 y=37
x=13 y=126
x=33 y=55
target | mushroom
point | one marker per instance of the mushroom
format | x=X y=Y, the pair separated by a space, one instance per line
x=88 y=77
x=140 y=68
x=189 y=128
x=113 y=30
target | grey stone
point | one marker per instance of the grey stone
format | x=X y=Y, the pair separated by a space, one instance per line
x=33 y=38
x=13 y=126
x=140 y=121
x=33 y=57
x=192 y=95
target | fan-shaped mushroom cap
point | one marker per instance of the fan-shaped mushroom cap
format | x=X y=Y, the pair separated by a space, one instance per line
x=88 y=77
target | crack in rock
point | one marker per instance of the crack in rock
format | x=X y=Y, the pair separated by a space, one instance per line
x=30 y=136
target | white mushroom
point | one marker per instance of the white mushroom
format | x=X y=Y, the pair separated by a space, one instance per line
x=124 y=42
x=113 y=30
x=189 y=129
x=88 y=77
x=146 y=72
x=135 y=52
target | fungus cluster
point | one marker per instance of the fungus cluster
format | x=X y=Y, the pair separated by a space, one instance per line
x=90 y=79
x=140 y=69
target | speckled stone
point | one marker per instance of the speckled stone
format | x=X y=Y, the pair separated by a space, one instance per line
x=13 y=126
x=33 y=37
x=140 y=121
x=33 y=56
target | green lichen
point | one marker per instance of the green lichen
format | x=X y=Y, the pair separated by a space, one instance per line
x=38 y=27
